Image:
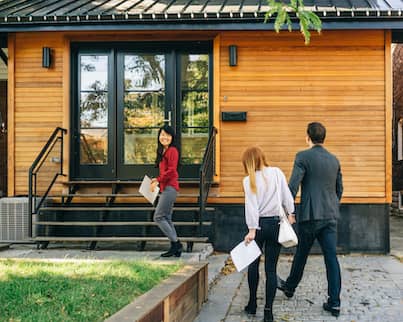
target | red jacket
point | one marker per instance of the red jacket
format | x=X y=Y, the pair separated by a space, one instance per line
x=169 y=169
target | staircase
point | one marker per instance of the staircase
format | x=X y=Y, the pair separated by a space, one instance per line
x=93 y=211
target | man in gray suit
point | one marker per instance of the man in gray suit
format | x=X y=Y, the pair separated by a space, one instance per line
x=318 y=173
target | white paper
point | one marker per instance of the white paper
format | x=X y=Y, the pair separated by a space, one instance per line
x=242 y=255
x=145 y=190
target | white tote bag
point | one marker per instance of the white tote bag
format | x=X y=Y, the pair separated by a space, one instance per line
x=286 y=236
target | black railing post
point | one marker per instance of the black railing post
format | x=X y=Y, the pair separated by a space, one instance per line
x=206 y=176
x=34 y=169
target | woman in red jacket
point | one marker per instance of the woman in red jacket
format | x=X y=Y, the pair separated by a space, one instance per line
x=167 y=160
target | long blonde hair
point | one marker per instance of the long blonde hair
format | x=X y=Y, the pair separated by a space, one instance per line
x=253 y=159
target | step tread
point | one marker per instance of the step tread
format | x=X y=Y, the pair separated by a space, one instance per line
x=89 y=182
x=120 y=208
x=123 y=195
x=115 y=223
x=183 y=239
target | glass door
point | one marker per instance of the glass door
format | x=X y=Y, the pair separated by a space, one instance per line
x=93 y=155
x=143 y=102
x=123 y=95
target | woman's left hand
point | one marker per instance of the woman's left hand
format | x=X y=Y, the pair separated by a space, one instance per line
x=250 y=236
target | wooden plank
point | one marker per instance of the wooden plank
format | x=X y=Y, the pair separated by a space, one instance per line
x=134 y=208
x=66 y=106
x=216 y=105
x=11 y=187
x=388 y=114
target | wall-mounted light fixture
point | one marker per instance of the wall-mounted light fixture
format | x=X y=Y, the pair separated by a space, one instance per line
x=233 y=55
x=46 y=57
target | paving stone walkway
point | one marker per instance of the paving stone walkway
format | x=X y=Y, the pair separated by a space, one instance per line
x=372 y=290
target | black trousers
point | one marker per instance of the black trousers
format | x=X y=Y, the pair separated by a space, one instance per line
x=267 y=240
x=326 y=234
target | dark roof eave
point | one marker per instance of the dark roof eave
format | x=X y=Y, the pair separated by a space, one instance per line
x=328 y=23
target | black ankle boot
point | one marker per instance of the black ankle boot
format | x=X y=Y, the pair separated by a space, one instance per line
x=268 y=315
x=178 y=249
x=170 y=252
x=175 y=250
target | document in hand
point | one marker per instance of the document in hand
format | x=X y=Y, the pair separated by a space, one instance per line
x=145 y=190
x=242 y=255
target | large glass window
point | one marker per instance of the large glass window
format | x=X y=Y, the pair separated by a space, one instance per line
x=93 y=109
x=194 y=107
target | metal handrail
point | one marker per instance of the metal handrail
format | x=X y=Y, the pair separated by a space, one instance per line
x=207 y=172
x=33 y=207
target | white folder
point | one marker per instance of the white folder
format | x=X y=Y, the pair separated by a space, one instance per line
x=145 y=190
x=243 y=255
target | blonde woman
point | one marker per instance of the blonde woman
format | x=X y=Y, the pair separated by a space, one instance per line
x=261 y=186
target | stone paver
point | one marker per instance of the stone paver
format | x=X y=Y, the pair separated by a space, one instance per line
x=371 y=291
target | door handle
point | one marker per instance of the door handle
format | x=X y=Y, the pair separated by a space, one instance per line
x=169 y=119
x=2 y=125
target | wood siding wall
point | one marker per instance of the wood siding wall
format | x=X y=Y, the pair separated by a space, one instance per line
x=37 y=105
x=340 y=80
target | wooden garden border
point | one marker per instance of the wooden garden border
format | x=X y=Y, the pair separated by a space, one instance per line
x=179 y=298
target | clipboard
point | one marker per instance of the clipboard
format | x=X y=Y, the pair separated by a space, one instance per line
x=145 y=190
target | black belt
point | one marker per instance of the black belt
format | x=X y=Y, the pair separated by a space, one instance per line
x=270 y=218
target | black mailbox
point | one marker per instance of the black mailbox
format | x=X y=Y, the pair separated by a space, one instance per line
x=233 y=116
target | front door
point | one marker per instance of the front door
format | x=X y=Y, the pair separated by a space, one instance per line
x=124 y=93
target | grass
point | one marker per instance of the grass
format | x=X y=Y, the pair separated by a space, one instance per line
x=73 y=291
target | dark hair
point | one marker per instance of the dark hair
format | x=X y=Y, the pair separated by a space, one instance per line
x=160 y=149
x=316 y=132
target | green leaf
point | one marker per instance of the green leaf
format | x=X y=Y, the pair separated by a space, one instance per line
x=307 y=19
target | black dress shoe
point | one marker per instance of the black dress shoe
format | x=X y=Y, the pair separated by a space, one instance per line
x=335 y=311
x=282 y=286
x=268 y=315
x=250 y=309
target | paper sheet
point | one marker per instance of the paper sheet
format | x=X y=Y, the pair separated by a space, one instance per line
x=242 y=255
x=145 y=190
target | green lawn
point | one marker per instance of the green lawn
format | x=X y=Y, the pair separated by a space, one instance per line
x=73 y=290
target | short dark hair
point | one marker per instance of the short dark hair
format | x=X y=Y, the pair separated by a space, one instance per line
x=316 y=132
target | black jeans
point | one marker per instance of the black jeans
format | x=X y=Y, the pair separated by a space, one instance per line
x=267 y=236
x=325 y=233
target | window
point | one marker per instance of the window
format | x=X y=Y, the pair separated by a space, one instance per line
x=400 y=140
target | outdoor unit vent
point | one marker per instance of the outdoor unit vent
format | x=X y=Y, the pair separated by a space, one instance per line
x=14 y=219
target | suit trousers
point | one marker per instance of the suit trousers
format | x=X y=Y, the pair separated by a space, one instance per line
x=266 y=237
x=325 y=231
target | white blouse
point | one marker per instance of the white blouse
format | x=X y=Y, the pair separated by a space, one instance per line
x=265 y=202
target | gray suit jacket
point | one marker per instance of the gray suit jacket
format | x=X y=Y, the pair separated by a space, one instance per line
x=318 y=172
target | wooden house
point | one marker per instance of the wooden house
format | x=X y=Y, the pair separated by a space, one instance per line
x=109 y=73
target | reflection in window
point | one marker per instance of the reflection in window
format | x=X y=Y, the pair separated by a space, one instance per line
x=94 y=146
x=194 y=107
x=140 y=146
x=144 y=104
x=93 y=109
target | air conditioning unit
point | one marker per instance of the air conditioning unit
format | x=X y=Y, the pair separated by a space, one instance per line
x=14 y=219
